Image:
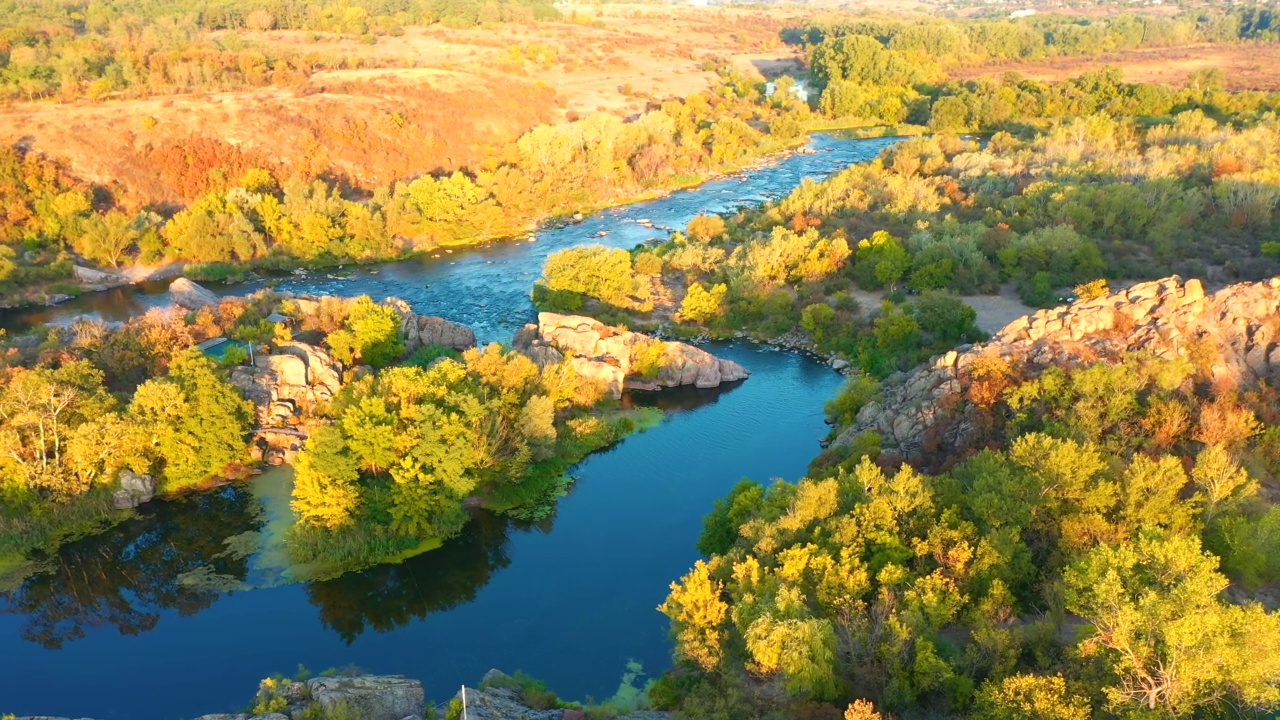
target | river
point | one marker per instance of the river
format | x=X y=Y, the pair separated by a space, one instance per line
x=161 y=618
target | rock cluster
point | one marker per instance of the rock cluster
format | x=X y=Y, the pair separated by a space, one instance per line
x=1236 y=328
x=422 y=330
x=191 y=296
x=607 y=355
x=496 y=700
x=134 y=490
x=395 y=697
x=289 y=382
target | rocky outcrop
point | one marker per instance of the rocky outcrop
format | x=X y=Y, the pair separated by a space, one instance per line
x=289 y=382
x=1237 y=330
x=191 y=296
x=370 y=697
x=134 y=490
x=423 y=330
x=92 y=278
x=395 y=697
x=609 y=356
x=496 y=699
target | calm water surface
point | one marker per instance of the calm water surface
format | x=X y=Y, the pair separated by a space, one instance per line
x=112 y=632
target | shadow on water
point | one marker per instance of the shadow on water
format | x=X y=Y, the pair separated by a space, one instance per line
x=183 y=554
x=386 y=597
x=127 y=576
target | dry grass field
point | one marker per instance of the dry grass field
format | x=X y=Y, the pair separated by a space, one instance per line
x=1247 y=66
x=433 y=99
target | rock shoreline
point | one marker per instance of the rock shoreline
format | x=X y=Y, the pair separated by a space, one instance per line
x=1240 y=324
x=613 y=356
x=390 y=697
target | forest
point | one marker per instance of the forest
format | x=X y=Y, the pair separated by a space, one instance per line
x=1075 y=566
x=1108 y=548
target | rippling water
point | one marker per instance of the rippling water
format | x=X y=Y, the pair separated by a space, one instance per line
x=109 y=632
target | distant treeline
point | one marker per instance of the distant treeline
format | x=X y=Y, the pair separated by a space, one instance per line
x=1041 y=36
x=80 y=48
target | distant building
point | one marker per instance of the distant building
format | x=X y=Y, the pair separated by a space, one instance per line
x=1025 y=12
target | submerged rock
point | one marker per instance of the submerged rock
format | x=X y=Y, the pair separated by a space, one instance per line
x=192 y=296
x=610 y=355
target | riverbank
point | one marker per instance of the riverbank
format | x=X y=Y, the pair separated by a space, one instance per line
x=625 y=528
x=347 y=695
x=84 y=280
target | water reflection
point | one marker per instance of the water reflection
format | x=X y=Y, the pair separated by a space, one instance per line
x=169 y=557
x=386 y=597
x=183 y=554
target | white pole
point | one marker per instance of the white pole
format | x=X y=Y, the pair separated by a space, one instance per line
x=464 y=702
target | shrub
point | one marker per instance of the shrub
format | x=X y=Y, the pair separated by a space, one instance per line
x=647 y=263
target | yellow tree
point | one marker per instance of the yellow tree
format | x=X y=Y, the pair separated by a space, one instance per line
x=697 y=611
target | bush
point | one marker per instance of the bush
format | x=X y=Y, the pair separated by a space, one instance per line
x=647 y=263
x=856 y=393
x=559 y=301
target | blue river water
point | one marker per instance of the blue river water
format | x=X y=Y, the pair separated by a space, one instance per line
x=110 y=632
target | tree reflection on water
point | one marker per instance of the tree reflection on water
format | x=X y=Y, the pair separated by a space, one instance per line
x=125 y=576
x=184 y=554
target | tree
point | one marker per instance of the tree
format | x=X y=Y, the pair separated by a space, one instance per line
x=705 y=228
x=701 y=305
x=106 y=238
x=816 y=319
x=593 y=270
x=949 y=114
x=1174 y=645
x=1029 y=697
x=880 y=261
x=897 y=332
x=371 y=434
x=944 y=316
x=195 y=422
x=325 y=493
x=370 y=335
x=48 y=418
x=697 y=614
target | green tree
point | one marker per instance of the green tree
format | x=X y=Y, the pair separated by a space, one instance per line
x=1174 y=645
x=370 y=335
x=816 y=319
x=897 y=332
x=106 y=238
x=944 y=316
x=325 y=493
x=880 y=261
x=593 y=270
x=1029 y=697
x=196 y=423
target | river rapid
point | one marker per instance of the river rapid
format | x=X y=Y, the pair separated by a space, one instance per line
x=176 y=613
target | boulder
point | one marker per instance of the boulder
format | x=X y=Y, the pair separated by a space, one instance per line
x=289 y=369
x=323 y=373
x=369 y=697
x=135 y=489
x=192 y=296
x=500 y=703
x=608 y=377
x=438 y=331
x=422 y=330
x=89 y=276
x=142 y=487
x=608 y=355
